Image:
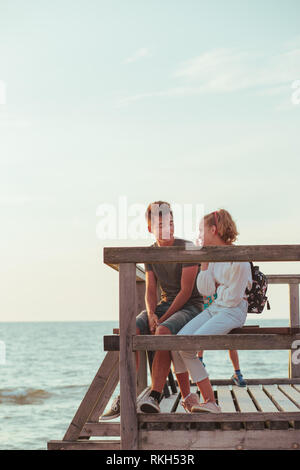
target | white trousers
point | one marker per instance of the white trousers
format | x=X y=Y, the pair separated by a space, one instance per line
x=215 y=320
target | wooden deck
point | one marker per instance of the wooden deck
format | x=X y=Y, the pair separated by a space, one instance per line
x=265 y=415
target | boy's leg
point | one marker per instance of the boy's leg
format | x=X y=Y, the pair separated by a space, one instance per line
x=162 y=359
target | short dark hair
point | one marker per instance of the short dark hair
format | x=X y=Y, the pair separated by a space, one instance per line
x=161 y=207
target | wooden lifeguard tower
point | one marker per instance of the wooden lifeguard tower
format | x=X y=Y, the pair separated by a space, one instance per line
x=265 y=415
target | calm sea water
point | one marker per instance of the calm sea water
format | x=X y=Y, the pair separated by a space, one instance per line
x=49 y=367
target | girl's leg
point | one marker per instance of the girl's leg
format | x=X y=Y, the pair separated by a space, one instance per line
x=237 y=376
x=206 y=390
x=220 y=321
x=233 y=354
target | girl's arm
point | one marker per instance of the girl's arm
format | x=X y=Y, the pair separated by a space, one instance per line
x=237 y=283
x=206 y=283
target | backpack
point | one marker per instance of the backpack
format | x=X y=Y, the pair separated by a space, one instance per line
x=257 y=295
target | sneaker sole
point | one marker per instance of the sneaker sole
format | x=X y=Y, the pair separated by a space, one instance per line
x=202 y=410
x=145 y=408
x=108 y=418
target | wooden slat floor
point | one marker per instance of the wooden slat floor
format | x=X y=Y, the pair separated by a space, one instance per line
x=272 y=405
x=276 y=402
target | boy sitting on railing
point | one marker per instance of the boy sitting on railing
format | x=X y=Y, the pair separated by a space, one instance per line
x=179 y=302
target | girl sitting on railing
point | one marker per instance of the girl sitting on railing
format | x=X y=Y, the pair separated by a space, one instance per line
x=237 y=377
x=229 y=280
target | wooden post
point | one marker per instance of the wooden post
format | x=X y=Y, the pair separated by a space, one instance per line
x=127 y=314
x=294 y=369
x=142 y=381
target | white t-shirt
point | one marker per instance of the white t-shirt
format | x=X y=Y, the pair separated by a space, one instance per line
x=233 y=278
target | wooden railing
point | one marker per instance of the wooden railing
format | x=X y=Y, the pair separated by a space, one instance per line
x=131 y=299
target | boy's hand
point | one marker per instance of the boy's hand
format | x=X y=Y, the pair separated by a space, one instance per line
x=153 y=322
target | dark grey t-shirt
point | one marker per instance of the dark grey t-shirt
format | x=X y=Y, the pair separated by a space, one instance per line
x=168 y=276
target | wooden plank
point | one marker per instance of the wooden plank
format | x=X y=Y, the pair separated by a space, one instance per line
x=265 y=330
x=281 y=401
x=127 y=314
x=213 y=342
x=220 y=440
x=291 y=393
x=142 y=375
x=283 y=278
x=84 y=445
x=139 y=271
x=280 y=330
x=101 y=429
x=208 y=342
x=225 y=401
x=216 y=417
x=265 y=404
x=171 y=254
x=92 y=396
x=246 y=405
x=294 y=368
x=271 y=278
x=167 y=404
x=110 y=387
x=268 y=381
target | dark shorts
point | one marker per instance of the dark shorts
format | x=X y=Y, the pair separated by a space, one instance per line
x=174 y=323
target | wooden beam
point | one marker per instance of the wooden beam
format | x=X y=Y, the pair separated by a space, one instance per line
x=209 y=342
x=242 y=439
x=294 y=368
x=96 y=391
x=101 y=429
x=142 y=376
x=84 y=445
x=213 y=342
x=283 y=278
x=139 y=271
x=127 y=315
x=173 y=254
x=218 y=417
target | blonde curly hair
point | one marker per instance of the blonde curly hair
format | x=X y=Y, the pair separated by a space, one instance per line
x=226 y=227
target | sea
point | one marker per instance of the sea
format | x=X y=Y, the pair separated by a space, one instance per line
x=47 y=367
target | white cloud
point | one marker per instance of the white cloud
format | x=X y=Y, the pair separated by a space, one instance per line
x=139 y=54
x=227 y=71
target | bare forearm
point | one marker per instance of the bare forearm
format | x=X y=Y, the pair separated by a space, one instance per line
x=151 y=301
x=180 y=300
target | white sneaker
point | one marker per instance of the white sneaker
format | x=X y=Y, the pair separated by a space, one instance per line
x=209 y=407
x=190 y=401
x=149 y=405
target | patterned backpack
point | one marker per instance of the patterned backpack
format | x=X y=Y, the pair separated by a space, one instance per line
x=257 y=295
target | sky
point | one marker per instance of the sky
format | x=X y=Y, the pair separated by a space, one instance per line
x=104 y=103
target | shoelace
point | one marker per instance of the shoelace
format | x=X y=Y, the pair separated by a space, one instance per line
x=115 y=404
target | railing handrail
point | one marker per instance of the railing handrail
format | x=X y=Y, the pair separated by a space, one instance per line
x=174 y=254
x=271 y=278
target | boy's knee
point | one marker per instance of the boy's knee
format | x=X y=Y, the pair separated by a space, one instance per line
x=162 y=330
